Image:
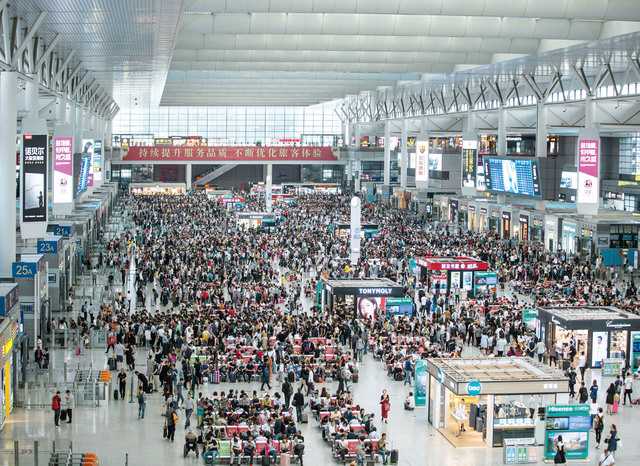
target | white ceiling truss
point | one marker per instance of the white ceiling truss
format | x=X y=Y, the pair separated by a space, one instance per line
x=58 y=72
x=607 y=69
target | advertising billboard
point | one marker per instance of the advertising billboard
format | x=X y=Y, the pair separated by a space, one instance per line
x=62 y=170
x=97 y=160
x=83 y=177
x=588 y=186
x=469 y=165
x=422 y=160
x=512 y=176
x=573 y=423
x=87 y=149
x=34 y=178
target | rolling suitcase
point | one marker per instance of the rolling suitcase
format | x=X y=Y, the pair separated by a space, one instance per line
x=394 y=456
x=614 y=407
x=112 y=364
x=285 y=459
x=63 y=415
x=115 y=394
x=354 y=378
x=304 y=419
x=266 y=460
x=232 y=377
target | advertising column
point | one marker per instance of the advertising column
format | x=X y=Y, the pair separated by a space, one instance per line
x=469 y=163
x=422 y=161
x=33 y=167
x=355 y=230
x=588 y=172
x=97 y=163
x=62 y=170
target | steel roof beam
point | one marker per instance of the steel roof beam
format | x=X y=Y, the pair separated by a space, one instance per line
x=31 y=32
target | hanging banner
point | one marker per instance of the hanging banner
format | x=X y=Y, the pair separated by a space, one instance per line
x=422 y=160
x=34 y=178
x=62 y=170
x=97 y=161
x=355 y=230
x=469 y=164
x=588 y=186
x=230 y=154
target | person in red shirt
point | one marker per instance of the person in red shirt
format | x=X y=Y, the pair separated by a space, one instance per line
x=56 y=406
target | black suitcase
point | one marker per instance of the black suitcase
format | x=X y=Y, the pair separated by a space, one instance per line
x=394 y=456
x=266 y=460
x=63 y=415
x=354 y=378
x=112 y=364
x=232 y=377
x=115 y=394
x=304 y=419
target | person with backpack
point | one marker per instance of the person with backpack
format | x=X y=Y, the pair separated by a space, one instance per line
x=265 y=373
x=598 y=426
x=583 y=393
x=571 y=374
x=171 y=420
x=287 y=389
x=56 y=407
x=142 y=403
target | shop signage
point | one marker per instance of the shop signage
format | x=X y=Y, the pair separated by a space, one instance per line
x=440 y=376
x=8 y=300
x=463 y=207
x=524 y=219
x=459 y=266
x=537 y=223
x=506 y=215
x=555 y=321
x=472 y=208
x=495 y=213
x=603 y=240
x=568 y=228
x=618 y=325
x=483 y=210
x=230 y=154
x=529 y=314
x=587 y=233
x=412 y=265
x=375 y=291
x=474 y=388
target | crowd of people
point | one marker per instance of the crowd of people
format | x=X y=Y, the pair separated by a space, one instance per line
x=218 y=302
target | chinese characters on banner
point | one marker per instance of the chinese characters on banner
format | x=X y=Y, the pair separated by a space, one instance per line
x=588 y=186
x=422 y=162
x=469 y=153
x=231 y=154
x=34 y=178
x=62 y=170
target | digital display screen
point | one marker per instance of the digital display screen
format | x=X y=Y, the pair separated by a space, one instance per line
x=368 y=308
x=34 y=178
x=83 y=178
x=558 y=423
x=599 y=348
x=575 y=443
x=569 y=180
x=435 y=162
x=513 y=176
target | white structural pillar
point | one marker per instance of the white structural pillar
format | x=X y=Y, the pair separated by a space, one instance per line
x=541 y=131
x=589 y=112
x=344 y=133
x=268 y=190
x=501 y=145
x=61 y=111
x=387 y=153
x=188 y=176
x=405 y=150
x=354 y=242
x=71 y=116
x=77 y=143
x=109 y=134
x=357 y=134
x=347 y=133
x=358 y=175
x=31 y=96
x=8 y=130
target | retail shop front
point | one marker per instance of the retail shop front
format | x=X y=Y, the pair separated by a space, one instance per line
x=483 y=402
x=149 y=189
x=537 y=227
x=603 y=333
x=365 y=297
x=257 y=220
x=444 y=274
x=9 y=348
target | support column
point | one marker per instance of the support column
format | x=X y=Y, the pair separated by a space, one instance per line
x=387 y=153
x=347 y=134
x=109 y=134
x=541 y=131
x=188 y=176
x=357 y=135
x=349 y=170
x=589 y=112
x=61 y=111
x=358 y=175
x=31 y=96
x=344 y=133
x=8 y=130
x=404 y=158
x=71 y=117
x=77 y=143
x=501 y=146
x=268 y=190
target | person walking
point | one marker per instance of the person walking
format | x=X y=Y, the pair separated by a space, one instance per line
x=142 y=403
x=611 y=392
x=385 y=405
x=407 y=371
x=56 y=408
x=582 y=364
x=171 y=420
x=265 y=373
x=122 y=383
x=606 y=459
x=598 y=427
x=628 y=388
x=593 y=391
x=71 y=404
x=298 y=402
x=560 y=454
x=583 y=393
x=613 y=440
x=188 y=406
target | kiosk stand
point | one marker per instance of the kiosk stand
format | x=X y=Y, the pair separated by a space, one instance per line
x=444 y=274
x=368 y=297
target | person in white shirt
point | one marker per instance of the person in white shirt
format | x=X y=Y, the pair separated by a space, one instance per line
x=410 y=402
x=606 y=459
x=628 y=388
x=533 y=406
x=582 y=364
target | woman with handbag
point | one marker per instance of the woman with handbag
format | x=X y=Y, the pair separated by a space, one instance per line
x=612 y=440
x=560 y=457
x=385 y=405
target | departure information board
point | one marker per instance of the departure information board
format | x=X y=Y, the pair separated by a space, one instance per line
x=513 y=176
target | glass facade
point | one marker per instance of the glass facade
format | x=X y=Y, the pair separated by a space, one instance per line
x=233 y=125
x=630 y=158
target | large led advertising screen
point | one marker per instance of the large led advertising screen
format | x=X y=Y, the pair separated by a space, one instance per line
x=512 y=176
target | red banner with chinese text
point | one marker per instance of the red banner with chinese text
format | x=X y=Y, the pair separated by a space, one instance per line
x=230 y=154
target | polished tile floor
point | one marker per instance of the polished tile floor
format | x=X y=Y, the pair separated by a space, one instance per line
x=113 y=431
